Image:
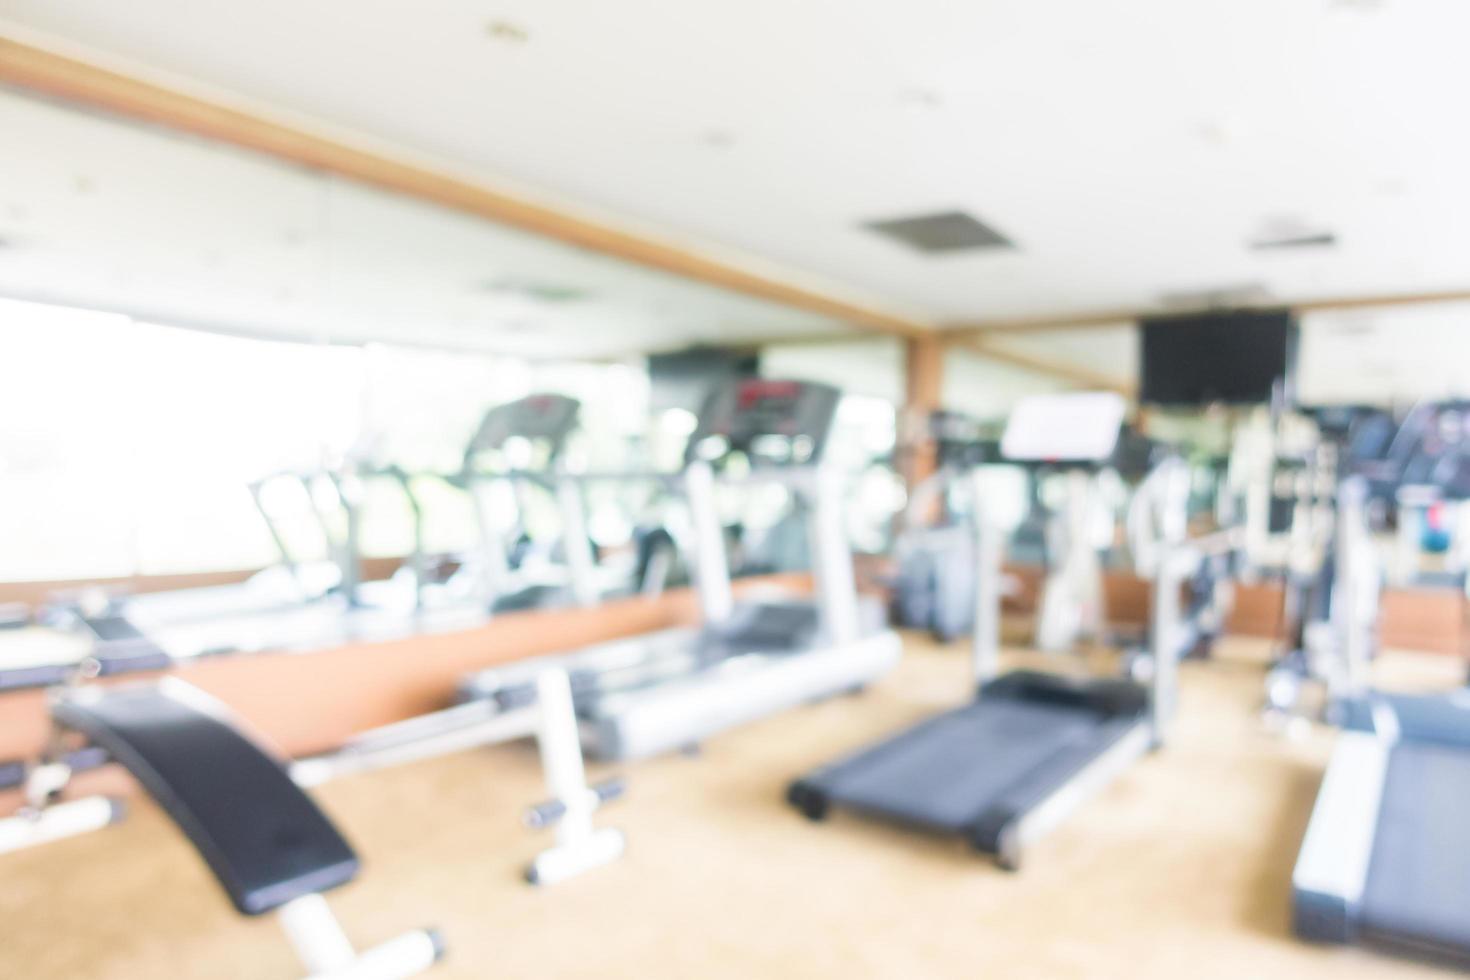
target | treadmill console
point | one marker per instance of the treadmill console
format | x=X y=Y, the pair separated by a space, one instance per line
x=1077 y=428
x=545 y=418
x=960 y=441
x=772 y=422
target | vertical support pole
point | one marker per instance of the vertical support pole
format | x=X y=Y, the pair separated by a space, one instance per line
x=1353 y=578
x=346 y=551
x=561 y=754
x=278 y=538
x=494 y=565
x=579 y=845
x=711 y=564
x=581 y=565
x=923 y=390
x=1071 y=605
x=985 y=652
x=417 y=560
x=1168 y=633
x=832 y=566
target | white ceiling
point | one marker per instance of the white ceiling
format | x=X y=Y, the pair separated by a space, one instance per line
x=1130 y=149
x=111 y=215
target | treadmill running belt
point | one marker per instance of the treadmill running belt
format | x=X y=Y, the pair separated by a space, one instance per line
x=948 y=771
x=1418 y=889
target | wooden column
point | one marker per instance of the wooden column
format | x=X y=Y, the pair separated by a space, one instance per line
x=923 y=385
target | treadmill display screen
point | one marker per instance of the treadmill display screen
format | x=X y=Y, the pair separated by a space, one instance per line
x=778 y=421
x=543 y=417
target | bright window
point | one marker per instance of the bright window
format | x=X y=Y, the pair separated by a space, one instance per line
x=128 y=448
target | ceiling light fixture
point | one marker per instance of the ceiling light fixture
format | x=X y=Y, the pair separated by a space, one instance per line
x=1290 y=232
x=541 y=292
x=505 y=31
x=922 y=98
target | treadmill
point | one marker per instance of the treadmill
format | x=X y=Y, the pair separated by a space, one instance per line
x=1002 y=770
x=1386 y=857
x=750 y=658
x=300 y=606
x=521 y=445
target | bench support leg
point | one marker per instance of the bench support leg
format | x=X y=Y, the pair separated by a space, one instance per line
x=327 y=953
x=580 y=846
x=31 y=828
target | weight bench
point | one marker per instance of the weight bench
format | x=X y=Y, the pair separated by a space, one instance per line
x=270 y=847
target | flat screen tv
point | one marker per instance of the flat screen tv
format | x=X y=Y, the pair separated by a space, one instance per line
x=1235 y=357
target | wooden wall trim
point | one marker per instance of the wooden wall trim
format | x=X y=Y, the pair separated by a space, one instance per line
x=36 y=593
x=32 y=67
x=314 y=701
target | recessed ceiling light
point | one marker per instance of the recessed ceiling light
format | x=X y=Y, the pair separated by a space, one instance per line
x=920 y=97
x=541 y=292
x=509 y=33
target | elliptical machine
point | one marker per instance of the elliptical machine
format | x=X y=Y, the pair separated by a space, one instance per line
x=934 y=587
x=1331 y=611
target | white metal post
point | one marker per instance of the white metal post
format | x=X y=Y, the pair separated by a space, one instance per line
x=494 y=570
x=581 y=565
x=561 y=753
x=832 y=558
x=711 y=564
x=579 y=845
x=1169 y=633
x=985 y=652
x=1353 y=588
x=316 y=935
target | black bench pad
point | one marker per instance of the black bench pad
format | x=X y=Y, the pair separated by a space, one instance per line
x=263 y=838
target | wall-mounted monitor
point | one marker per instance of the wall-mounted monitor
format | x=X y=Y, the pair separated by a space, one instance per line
x=1236 y=357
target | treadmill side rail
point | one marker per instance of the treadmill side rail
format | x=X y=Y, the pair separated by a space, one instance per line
x=1029 y=823
x=1332 y=867
x=682 y=712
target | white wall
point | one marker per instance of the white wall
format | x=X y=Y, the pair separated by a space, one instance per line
x=1392 y=355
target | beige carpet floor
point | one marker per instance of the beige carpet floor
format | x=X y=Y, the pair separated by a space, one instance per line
x=1179 y=869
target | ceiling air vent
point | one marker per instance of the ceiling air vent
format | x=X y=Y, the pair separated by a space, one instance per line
x=1223 y=297
x=534 y=290
x=1323 y=239
x=1283 y=232
x=944 y=231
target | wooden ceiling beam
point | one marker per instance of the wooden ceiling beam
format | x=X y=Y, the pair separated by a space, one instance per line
x=965 y=332
x=31 y=67
x=1071 y=373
